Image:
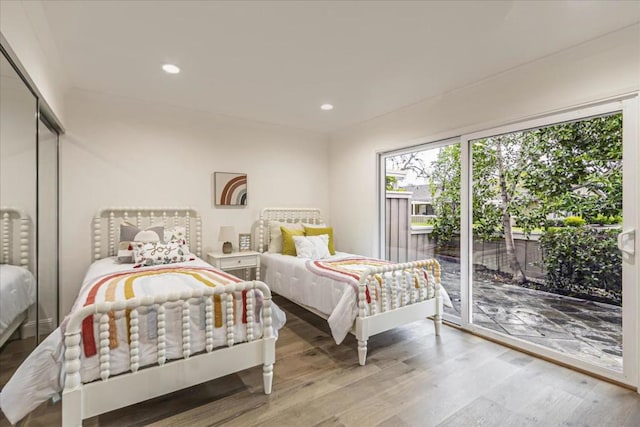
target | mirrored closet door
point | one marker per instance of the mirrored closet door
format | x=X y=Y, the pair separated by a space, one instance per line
x=18 y=201
x=28 y=217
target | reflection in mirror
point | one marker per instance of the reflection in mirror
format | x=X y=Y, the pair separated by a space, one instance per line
x=18 y=186
x=47 y=230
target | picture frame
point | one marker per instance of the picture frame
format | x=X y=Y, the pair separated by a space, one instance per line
x=230 y=189
x=244 y=242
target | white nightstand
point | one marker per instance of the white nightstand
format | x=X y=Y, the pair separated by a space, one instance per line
x=236 y=261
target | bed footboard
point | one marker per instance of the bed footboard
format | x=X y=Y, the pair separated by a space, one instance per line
x=394 y=295
x=81 y=401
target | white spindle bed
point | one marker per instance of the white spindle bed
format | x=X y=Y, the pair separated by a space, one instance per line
x=81 y=401
x=392 y=310
x=14 y=252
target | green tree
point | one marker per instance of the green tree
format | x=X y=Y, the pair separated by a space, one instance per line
x=444 y=184
x=525 y=176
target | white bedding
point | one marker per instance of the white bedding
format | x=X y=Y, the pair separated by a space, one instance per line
x=288 y=276
x=41 y=375
x=17 y=293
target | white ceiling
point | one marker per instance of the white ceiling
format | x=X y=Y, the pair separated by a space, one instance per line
x=276 y=62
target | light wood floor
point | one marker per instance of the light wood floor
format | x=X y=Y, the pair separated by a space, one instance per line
x=411 y=378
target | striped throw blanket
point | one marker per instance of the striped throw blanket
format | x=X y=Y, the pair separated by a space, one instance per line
x=348 y=270
x=152 y=282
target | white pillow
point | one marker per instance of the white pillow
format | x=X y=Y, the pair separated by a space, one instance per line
x=275 y=234
x=312 y=247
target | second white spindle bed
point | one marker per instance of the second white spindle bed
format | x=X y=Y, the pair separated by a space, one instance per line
x=399 y=302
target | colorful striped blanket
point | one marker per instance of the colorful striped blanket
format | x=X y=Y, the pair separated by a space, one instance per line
x=151 y=282
x=348 y=270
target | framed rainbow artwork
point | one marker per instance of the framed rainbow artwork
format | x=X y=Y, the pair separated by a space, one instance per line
x=230 y=189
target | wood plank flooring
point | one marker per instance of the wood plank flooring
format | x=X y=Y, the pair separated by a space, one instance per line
x=412 y=378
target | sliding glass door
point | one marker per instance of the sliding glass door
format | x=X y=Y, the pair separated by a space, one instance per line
x=549 y=200
x=422 y=211
x=534 y=224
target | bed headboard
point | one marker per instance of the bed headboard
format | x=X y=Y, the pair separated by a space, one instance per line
x=291 y=215
x=105 y=243
x=11 y=251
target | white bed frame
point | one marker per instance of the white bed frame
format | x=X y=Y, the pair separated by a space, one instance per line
x=14 y=253
x=414 y=305
x=81 y=401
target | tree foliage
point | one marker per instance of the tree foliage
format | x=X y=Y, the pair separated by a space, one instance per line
x=444 y=184
x=569 y=168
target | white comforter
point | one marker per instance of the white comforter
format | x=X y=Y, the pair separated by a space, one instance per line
x=17 y=293
x=41 y=375
x=288 y=276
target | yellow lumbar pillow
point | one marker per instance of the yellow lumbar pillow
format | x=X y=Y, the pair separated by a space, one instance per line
x=318 y=231
x=288 y=245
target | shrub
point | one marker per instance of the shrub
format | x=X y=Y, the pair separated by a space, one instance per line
x=607 y=220
x=574 y=221
x=583 y=261
x=600 y=219
x=616 y=219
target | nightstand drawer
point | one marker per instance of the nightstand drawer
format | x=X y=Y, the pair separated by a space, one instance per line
x=238 y=262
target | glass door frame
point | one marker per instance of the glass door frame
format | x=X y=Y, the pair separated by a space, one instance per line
x=629 y=106
x=630 y=319
x=381 y=177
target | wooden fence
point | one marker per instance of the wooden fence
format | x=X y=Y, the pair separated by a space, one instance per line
x=406 y=243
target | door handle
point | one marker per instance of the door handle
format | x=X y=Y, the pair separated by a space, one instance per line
x=627 y=243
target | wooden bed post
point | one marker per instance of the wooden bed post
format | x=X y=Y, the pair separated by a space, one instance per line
x=72 y=393
x=362 y=334
x=269 y=345
x=437 y=318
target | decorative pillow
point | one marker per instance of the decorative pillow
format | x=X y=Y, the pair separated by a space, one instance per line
x=275 y=234
x=129 y=234
x=288 y=246
x=314 y=247
x=317 y=231
x=175 y=233
x=154 y=253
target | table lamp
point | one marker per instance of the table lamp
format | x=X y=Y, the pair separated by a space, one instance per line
x=227 y=235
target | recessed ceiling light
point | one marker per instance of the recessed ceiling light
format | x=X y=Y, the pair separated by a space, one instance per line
x=326 y=107
x=171 y=69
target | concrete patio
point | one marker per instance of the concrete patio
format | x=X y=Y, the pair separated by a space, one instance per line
x=589 y=330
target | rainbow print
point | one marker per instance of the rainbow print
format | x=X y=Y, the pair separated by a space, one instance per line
x=230 y=189
x=150 y=281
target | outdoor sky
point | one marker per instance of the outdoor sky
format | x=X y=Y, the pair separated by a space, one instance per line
x=429 y=156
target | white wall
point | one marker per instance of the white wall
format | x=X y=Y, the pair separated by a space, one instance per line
x=586 y=73
x=119 y=152
x=25 y=27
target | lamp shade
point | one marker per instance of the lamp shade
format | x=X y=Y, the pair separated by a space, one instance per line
x=227 y=234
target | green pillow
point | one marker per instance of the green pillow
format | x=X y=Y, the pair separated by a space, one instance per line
x=317 y=231
x=288 y=245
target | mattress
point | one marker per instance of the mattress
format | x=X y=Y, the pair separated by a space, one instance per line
x=336 y=300
x=41 y=375
x=17 y=293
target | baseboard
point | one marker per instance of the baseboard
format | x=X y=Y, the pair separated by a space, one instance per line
x=28 y=329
